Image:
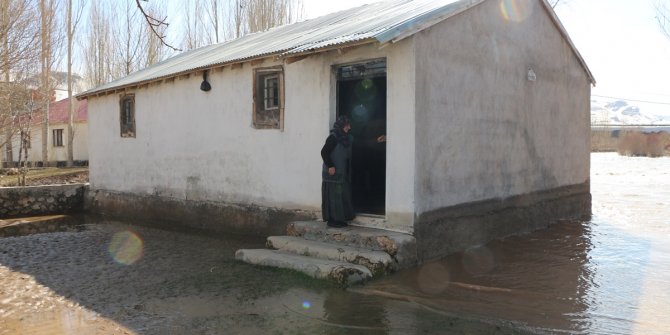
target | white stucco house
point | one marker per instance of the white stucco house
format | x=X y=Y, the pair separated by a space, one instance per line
x=485 y=107
x=57 y=136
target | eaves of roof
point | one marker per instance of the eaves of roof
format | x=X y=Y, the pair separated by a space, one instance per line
x=381 y=22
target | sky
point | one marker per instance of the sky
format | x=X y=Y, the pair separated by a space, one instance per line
x=619 y=39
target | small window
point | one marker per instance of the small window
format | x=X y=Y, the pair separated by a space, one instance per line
x=269 y=98
x=25 y=139
x=58 y=137
x=127 y=115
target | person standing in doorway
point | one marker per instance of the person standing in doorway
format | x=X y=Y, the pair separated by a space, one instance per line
x=336 y=206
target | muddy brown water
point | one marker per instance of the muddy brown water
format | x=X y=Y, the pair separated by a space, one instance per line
x=608 y=275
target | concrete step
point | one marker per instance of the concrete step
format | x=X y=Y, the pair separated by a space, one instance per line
x=401 y=247
x=378 y=262
x=341 y=272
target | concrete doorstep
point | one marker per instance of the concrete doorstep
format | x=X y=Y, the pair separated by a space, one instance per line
x=341 y=272
x=345 y=255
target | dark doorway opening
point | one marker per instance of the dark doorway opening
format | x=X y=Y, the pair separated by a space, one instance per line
x=361 y=96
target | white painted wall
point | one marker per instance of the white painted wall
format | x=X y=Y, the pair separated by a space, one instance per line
x=201 y=146
x=484 y=131
x=54 y=154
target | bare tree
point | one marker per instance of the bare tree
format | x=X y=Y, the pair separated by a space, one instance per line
x=239 y=17
x=98 y=47
x=51 y=38
x=194 y=29
x=129 y=41
x=555 y=3
x=250 y=16
x=262 y=15
x=156 y=50
x=72 y=23
x=118 y=42
x=215 y=15
x=663 y=16
x=19 y=34
x=157 y=25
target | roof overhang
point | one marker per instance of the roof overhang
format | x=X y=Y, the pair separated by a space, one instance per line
x=391 y=35
x=286 y=56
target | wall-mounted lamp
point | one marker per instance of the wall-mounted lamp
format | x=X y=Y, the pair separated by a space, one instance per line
x=205 y=86
x=531 y=75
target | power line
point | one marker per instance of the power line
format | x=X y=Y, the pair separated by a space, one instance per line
x=644 y=101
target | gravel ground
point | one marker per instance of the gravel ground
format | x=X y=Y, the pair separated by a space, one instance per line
x=113 y=278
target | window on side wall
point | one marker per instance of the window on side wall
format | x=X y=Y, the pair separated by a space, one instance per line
x=269 y=98
x=127 y=115
x=58 y=137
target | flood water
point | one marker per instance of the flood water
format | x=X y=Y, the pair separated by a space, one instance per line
x=610 y=275
x=606 y=276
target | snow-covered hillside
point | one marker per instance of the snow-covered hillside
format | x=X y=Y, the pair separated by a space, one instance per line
x=620 y=112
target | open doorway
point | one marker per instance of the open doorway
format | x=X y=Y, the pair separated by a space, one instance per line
x=361 y=96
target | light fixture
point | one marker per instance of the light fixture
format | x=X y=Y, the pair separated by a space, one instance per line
x=531 y=75
x=205 y=86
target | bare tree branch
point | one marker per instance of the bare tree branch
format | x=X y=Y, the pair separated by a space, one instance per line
x=663 y=17
x=555 y=3
x=155 y=23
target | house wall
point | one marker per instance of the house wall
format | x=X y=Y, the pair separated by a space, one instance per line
x=489 y=136
x=54 y=154
x=201 y=147
x=59 y=154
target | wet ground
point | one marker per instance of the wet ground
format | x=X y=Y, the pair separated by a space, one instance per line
x=606 y=276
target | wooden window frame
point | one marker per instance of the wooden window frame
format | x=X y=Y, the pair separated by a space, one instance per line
x=127 y=118
x=263 y=101
x=57 y=137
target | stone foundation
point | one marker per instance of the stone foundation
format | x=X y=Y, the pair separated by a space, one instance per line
x=445 y=231
x=218 y=217
x=41 y=200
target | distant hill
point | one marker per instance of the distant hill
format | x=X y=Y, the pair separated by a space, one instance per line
x=621 y=112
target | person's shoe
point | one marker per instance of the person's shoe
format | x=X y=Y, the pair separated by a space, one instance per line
x=337 y=224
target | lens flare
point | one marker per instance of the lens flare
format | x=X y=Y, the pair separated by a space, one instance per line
x=360 y=113
x=126 y=248
x=478 y=261
x=515 y=10
x=433 y=278
x=306 y=305
x=366 y=90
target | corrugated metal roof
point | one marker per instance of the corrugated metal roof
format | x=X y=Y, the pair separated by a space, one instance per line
x=382 y=22
x=376 y=22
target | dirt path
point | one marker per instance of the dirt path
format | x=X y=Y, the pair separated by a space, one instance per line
x=48 y=176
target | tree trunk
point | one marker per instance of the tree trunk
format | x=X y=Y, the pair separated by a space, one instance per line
x=70 y=125
x=45 y=84
x=8 y=135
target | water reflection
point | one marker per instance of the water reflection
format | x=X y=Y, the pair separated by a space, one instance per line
x=354 y=312
x=606 y=276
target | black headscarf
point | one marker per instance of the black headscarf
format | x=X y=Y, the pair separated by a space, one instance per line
x=338 y=131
